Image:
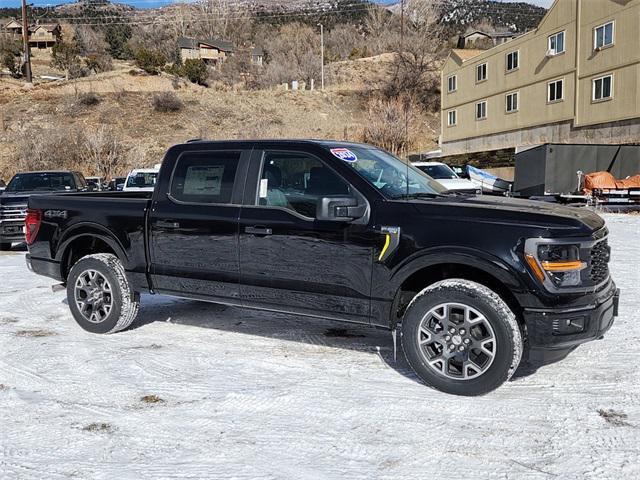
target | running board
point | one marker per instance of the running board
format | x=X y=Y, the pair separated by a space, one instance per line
x=58 y=287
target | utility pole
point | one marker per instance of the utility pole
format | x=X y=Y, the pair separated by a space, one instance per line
x=322 y=54
x=25 y=42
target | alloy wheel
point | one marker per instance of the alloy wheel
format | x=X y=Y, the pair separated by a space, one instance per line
x=457 y=341
x=93 y=296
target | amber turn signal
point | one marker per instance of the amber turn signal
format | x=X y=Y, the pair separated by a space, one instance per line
x=568 y=266
x=533 y=263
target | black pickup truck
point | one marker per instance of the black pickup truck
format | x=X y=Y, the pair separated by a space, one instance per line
x=339 y=231
x=13 y=199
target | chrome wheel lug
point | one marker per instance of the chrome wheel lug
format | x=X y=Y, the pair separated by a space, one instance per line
x=461 y=348
x=467 y=341
x=447 y=337
x=452 y=347
x=452 y=330
x=462 y=331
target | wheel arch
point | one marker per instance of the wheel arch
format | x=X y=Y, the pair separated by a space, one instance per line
x=85 y=240
x=427 y=270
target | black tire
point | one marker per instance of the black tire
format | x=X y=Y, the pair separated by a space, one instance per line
x=5 y=247
x=124 y=308
x=495 y=320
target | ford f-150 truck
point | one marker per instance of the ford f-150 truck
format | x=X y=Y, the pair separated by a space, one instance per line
x=340 y=231
x=13 y=200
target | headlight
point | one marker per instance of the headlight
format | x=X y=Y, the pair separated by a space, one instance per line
x=560 y=263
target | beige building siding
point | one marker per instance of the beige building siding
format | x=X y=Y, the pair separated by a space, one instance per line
x=578 y=65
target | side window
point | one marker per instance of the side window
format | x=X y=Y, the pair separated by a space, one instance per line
x=296 y=181
x=205 y=177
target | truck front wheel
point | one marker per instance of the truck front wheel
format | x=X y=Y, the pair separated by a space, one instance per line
x=461 y=338
x=99 y=294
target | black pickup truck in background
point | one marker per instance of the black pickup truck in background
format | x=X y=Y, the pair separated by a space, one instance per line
x=13 y=200
x=339 y=231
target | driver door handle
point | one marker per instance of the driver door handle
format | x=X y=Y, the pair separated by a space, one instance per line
x=258 y=231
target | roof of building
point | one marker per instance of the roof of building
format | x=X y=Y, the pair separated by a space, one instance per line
x=49 y=27
x=466 y=53
x=491 y=34
x=257 y=51
x=193 y=43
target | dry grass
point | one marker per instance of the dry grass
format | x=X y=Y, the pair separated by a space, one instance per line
x=151 y=399
x=98 y=428
x=35 y=333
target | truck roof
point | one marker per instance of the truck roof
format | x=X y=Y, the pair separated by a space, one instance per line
x=288 y=141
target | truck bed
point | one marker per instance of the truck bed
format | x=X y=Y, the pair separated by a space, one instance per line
x=118 y=218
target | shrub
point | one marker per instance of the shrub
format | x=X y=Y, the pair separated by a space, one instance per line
x=88 y=99
x=98 y=63
x=149 y=60
x=166 y=102
x=386 y=126
x=195 y=70
x=11 y=63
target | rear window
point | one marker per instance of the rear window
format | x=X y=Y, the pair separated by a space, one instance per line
x=205 y=177
x=142 y=180
x=46 y=182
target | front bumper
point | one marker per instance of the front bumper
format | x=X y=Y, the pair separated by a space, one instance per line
x=564 y=329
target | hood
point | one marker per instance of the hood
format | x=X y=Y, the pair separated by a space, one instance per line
x=457 y=184
x=556 y=219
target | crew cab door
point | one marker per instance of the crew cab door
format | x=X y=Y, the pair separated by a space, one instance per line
x=193 y=225
x=290 y=260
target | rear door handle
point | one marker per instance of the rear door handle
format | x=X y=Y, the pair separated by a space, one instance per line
x=167 y=224
x=258 y=231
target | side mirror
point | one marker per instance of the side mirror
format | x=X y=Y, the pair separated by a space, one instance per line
x=339 y=209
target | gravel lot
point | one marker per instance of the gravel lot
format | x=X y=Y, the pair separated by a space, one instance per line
x=204 y=391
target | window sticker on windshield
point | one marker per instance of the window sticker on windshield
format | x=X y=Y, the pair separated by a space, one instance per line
x=344 y=154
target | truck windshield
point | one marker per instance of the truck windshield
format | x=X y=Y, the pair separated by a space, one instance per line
x=438 y=171
x=142 y=180
x=41 y=181
x=388 y=174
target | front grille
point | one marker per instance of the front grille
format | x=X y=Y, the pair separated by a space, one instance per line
x=599 y=262
x=13 y=213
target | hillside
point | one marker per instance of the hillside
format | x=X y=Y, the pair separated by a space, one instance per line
x=125 y=107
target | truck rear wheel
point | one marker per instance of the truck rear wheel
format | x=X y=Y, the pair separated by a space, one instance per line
x=461 y=338
x=99 y=294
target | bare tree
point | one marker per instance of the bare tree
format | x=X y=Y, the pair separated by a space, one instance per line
x=103 y=152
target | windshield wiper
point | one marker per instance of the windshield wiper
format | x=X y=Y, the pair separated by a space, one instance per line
x=415 y=195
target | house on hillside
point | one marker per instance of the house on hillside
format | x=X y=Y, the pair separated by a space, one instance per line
x=44 y=36
x=485 y=39
x=213 y=52
x=573 y=79
x=40 y=36
x=13 y=28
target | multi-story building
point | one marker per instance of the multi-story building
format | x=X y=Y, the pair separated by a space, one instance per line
x=213 y=52
x=574 y=79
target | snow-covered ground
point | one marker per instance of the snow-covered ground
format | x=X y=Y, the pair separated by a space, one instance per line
x=203 y=391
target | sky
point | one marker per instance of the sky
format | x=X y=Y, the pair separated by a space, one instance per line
x=156 y=3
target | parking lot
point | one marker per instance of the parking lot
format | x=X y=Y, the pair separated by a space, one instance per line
x=196 y=390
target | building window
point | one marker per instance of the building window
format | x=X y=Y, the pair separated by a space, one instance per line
x=512 y=102
x=603 y=36
x=556 y=43
x=452 y=83
x=603 y=88
x=512 y=61
x=481 y=110
x=481 y=73
x=555 y=91
x=452 y=119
